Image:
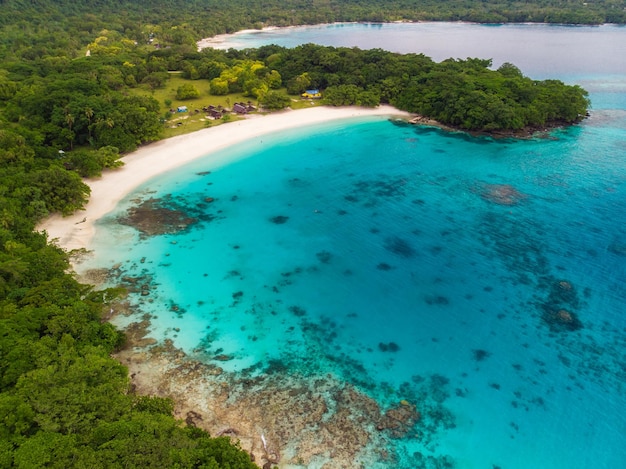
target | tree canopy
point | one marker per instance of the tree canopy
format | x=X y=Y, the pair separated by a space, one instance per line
x=465 y=94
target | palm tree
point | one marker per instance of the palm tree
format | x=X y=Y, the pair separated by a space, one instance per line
x=89 y=114
x=69 y=119
x=100 y=124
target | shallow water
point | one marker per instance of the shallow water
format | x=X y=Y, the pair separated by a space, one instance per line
x=417 y=265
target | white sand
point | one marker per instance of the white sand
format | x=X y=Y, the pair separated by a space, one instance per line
x=217 y=41
x=77 y=230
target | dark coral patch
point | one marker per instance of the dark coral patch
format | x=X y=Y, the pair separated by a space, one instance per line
x=439 y=300
x=399 y=246
x=324 y=257
x=279 y=219
x=371 y=191
x=558 y=311
x=297 y=310
x=618 y=247
x=159 y=216
x=388 y=347
x=561 y=320
x=480 y=354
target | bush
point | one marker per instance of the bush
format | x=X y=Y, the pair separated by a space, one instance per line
x=274 y=100
x=187 y=91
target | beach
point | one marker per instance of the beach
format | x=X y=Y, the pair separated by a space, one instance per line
x=205 y=395
x=362 y=294
x=76 y=231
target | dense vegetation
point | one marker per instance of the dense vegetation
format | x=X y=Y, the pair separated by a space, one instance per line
x=65 y=115
x=465 y=94
x=184 y=20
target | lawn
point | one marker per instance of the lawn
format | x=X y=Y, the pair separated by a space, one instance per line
x=185 y=122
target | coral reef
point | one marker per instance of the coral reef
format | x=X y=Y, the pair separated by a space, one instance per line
x=501 y=194
x=480 y=354
x=282 y=417
x=389 y=347
x=294 y=420
x=166 y=215
x=558 y=309
x=399 y=419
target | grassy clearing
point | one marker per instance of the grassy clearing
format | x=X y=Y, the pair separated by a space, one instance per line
x=185 y=122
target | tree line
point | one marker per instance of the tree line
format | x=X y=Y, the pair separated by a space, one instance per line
x=465 y=94
x=69 y=72
x=205 y=18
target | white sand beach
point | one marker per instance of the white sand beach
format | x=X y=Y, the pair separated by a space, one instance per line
x=217 y=41
x=204 y=394
x=77 y=230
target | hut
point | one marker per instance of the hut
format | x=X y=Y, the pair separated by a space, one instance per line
x=312 y=94
x=240 y=108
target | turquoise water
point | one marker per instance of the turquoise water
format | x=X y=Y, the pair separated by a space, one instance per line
x=417 y=265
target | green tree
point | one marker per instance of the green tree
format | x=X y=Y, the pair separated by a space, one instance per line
x=299 y=84
x=187 y=91
x=61 y=191
x=218 y=87
x=342 y=95
x=274 y=100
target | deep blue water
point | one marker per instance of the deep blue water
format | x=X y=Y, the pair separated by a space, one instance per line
x=483 y=280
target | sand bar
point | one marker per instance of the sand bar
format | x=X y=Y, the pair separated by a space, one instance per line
x=76 y=231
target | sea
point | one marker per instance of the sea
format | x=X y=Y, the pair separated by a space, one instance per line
x=481 y=280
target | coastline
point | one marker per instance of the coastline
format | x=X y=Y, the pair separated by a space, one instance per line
x=77 y=230
x=205 y=395
x=202 y=407
x=217 y=41
x=293 y=420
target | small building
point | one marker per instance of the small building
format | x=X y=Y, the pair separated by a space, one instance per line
x=312 y=94
x=215 y=114
x=240 y=108
x=181 y=109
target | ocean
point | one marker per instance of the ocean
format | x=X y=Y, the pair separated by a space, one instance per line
x=478 y=283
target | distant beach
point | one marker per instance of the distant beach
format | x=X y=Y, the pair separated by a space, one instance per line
x=77 y=230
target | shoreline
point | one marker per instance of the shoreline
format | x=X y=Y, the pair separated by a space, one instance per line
x=206 y=396
x=76 y=231
x=293 y=420
x=217 y=41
